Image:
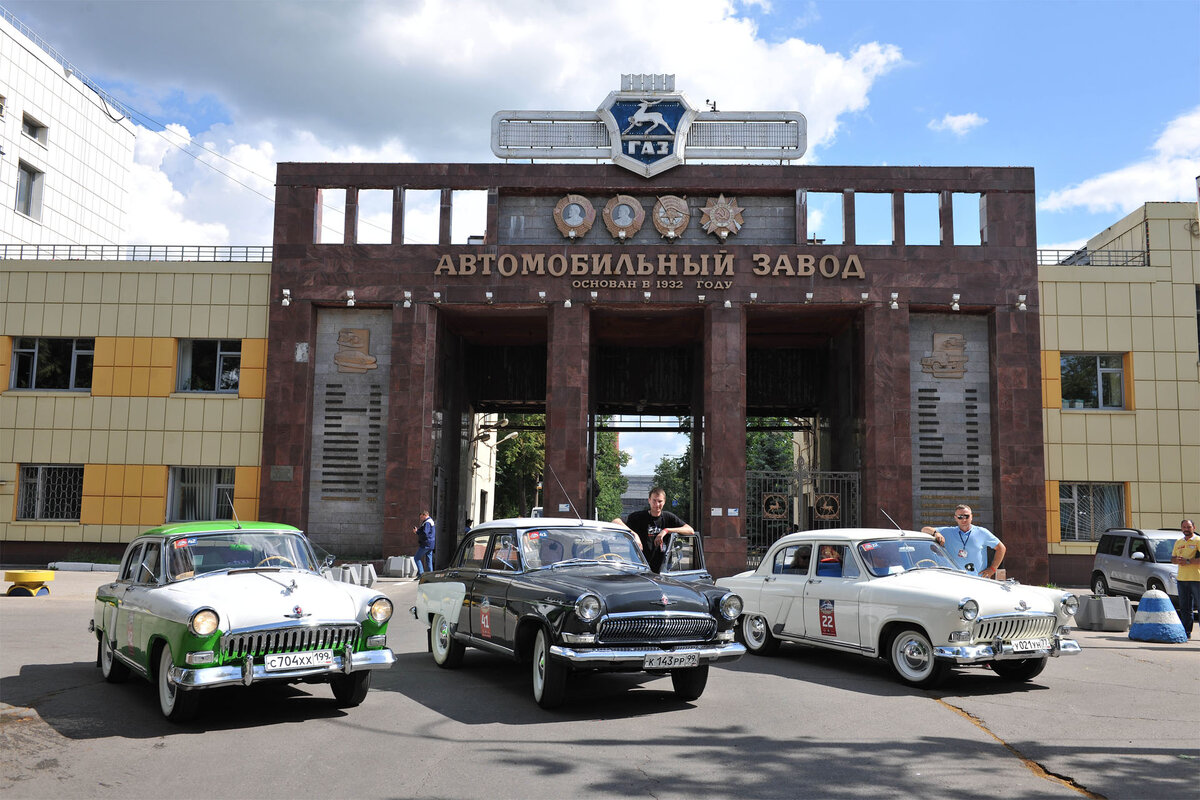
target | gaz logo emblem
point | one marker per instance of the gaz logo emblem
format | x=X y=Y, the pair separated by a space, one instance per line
x=647 y=129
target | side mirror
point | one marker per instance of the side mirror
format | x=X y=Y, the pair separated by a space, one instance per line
x=1138 y=556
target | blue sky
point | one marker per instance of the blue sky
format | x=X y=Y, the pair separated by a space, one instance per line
x=1101 y=98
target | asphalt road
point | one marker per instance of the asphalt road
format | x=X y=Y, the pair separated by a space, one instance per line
x=1117 y=721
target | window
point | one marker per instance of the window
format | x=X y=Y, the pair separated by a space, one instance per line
x=49 y=492
x=200 y=493
x=209 y=365
x=41 y=363
x=34 y=129
x=1093 y=380
x=29 y=190
x=1087 y=510
x=792 y=560
x=472 y=554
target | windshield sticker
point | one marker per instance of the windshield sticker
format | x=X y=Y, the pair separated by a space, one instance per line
x=533 y=536
x=828 y=621
x=869 y=545
x=182 y=543
x=907 y=549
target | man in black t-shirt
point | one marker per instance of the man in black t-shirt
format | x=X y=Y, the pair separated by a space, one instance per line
x=653 y=525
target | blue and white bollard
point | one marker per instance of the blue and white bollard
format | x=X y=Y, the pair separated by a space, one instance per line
x=1156 y=620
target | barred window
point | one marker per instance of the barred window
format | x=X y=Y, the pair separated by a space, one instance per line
x=49 y=492
x=201 y=493
x=209 y=365
x=49 y=364
x=1087 y=510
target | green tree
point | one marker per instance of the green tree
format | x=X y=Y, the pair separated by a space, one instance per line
x=611 y=484
x=674 y=475
x=520 y=462
x=769 y=451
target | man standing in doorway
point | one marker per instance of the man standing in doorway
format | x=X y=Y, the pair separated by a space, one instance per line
x=426 y=541
x=652 y=526
x=968 y=544
x=1186 y=553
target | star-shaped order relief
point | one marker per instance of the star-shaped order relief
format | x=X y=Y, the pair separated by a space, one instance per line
x=722 y=217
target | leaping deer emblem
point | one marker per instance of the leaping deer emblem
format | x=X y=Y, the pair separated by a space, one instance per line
x=644 y=116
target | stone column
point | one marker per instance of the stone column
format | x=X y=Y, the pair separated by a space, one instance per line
x=887 y=441
x=723 y=462
x=1020 y=473
x=411 y=428
x=567 y=409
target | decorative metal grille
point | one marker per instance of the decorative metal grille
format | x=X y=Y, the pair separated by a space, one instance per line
x=50 y=492
x=1014 y=627
x=288 y=640
x=656 y=628
x=779 y=503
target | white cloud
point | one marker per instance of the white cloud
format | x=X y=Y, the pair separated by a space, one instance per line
x=1168 y=174
x=383 y=81
x=958 y=124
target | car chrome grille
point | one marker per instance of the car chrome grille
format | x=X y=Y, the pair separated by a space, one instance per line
x=656 y=628
x=1017 y=626
x=288 y=640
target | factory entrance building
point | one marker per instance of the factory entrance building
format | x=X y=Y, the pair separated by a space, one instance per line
x=637 y=288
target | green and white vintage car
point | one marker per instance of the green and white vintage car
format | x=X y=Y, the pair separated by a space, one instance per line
x=198 y=605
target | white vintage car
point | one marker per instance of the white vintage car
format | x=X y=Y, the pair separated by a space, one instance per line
x=197 y=605
x=897 y=595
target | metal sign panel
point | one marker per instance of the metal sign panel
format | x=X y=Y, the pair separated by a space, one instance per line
x=648 y=127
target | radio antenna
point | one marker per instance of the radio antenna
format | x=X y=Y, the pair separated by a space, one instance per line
x=889 y=516
x=565 y=494
x=237 y=523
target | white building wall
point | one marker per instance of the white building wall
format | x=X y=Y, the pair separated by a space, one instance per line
x=85 y=159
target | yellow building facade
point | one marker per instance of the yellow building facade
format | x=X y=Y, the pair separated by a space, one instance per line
x=132 y=394
x=1121 y=383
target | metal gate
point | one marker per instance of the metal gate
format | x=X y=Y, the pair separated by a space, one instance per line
x=778 y=503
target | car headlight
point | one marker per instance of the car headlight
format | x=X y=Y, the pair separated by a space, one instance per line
x=731 y=606
x=588 y=607
x=380 y=609
x=968 y=609
x=204 y=622
x=1070 y=604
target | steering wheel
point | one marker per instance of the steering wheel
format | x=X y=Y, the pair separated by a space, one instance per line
x=283 y=561
x=928 y=561
x=610 y=557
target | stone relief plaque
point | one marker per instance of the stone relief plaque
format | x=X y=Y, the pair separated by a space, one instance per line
x=624 y=216
x=722 y=217
x=671 y=216
x=574 y=216
x=949 y=356
x=353 y=351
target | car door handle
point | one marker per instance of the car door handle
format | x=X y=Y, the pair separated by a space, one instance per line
x=814 y=580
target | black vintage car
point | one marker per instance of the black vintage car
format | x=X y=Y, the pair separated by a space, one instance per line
x=573 y=595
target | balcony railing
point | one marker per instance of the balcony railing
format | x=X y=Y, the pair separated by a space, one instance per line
x=1092 y=258
x=134 y=252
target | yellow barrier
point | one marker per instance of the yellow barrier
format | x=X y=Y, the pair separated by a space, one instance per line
x=29 y=582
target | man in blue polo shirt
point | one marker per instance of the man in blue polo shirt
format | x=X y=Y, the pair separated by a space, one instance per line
x=968 y=544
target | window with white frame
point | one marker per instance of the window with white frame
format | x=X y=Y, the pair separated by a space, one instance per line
x=1093 y=380
x=49 y=492
x=209 y=365
x=52 y=364
x=29 y=190
x=1087 y=510
x=200 y=493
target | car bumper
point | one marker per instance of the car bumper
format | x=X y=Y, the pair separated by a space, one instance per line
x=247 y=673
x=634 y=657
x=980 y=653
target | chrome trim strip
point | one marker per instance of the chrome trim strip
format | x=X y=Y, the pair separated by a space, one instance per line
x=228 y=675
x=484 y=644
x=635 y=656
x=129 y=662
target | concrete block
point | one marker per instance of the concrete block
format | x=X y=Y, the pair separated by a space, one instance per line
x=368 y=576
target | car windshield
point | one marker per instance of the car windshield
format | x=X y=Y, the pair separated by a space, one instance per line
x=1162 y=550
x=546 y=547
x=892 y=556
x=189 y=556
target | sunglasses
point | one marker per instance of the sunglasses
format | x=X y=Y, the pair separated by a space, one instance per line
x=962 y=516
